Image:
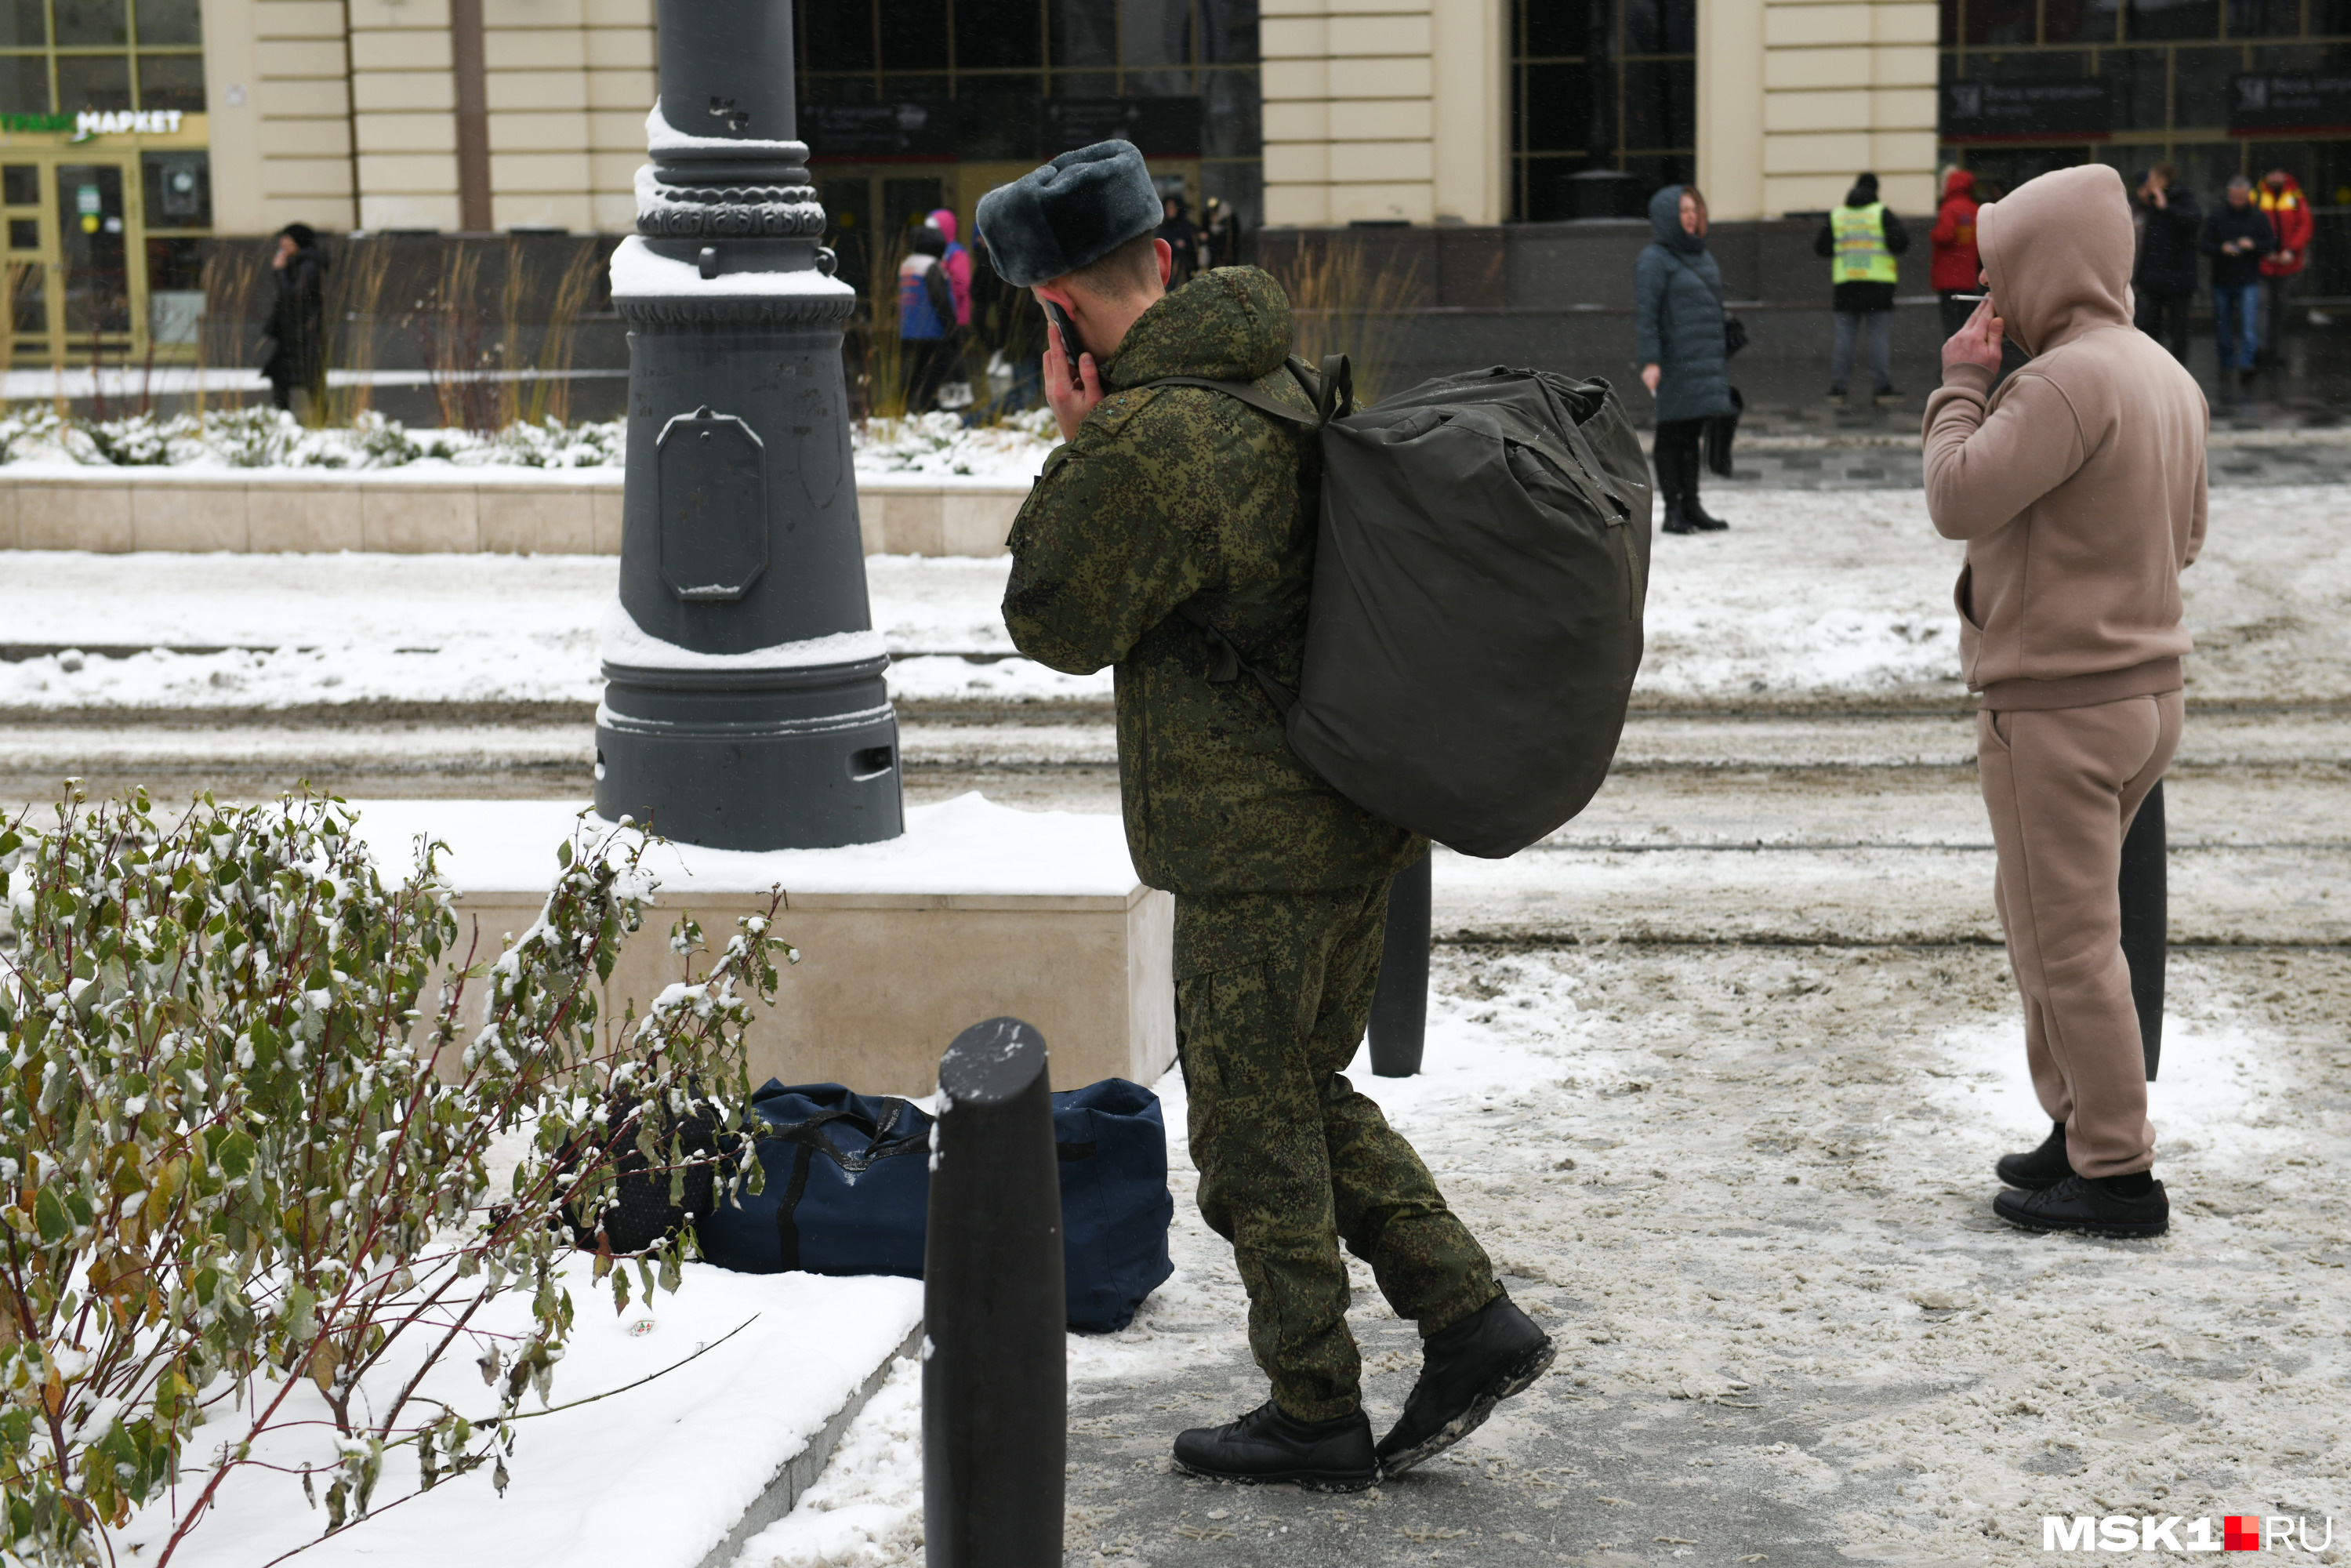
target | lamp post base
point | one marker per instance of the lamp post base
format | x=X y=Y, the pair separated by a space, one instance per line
x=795 y=758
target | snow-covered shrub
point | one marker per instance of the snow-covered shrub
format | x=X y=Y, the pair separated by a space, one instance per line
x=256 y=1176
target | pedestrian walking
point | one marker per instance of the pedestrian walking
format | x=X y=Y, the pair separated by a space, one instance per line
x=1183 y=242
x=2282 y=202
x=1220 y=235
x=1684 y=354
x=294 y=337
x=2079 y=486
x=926 y=317
x=955 y=350
x=1952 y=269
x=1861 y=240
x=2237 y=237
x=1183 y=499
x=2166 y=220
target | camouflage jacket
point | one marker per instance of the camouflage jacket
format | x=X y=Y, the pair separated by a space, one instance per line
x=1169 y=494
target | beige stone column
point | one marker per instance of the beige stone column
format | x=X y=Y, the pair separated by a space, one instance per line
x=1472 y=110
x=407 y=118
x=1350 y=117
x=283 y=153
x=1848 y=85
x=1731 y=106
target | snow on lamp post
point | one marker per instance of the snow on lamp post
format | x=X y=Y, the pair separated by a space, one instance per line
x=744 y=704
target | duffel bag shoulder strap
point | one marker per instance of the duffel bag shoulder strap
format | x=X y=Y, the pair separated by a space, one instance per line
x=1333 y=393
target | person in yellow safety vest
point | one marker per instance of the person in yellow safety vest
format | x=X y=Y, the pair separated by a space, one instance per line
x=1861 y=240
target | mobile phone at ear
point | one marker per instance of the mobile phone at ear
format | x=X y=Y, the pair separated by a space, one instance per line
x=1070 y=345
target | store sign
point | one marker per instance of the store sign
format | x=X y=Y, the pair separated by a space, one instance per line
x=878 y=129
x=2026 y=110
x=1164 y=127
x=2289 y=101
x=92 y=122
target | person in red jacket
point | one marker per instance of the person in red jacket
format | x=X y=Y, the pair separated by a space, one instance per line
x=2289 y=215
x=1956 y=265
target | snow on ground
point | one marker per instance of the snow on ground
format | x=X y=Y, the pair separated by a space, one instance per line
x=699 y=1443
x=1812 y=595
x=1747 y=1192
x=246 y=439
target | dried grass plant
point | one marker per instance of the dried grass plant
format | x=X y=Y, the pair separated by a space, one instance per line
x=1345 y=299
x=354 y=311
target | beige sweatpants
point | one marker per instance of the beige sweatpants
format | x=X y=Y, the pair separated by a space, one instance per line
x=2062 y=787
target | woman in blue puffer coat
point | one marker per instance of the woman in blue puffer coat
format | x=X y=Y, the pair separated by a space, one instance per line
x=1677 y=311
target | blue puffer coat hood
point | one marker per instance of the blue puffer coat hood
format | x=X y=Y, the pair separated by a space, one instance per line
x=1665 y=223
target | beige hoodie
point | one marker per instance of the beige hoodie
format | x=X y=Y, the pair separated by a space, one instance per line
x=2079 y=485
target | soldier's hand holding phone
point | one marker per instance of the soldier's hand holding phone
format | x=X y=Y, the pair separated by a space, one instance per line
x=1072 y=385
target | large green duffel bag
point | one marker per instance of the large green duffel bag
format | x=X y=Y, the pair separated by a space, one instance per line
x=1482 y=564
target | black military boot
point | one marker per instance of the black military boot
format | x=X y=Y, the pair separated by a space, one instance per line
x=2037 y=1168
x=2126 y=1206
x=1267 y=1445
x=1490 y=1355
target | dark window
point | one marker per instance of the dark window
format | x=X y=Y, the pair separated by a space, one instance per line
x=86 y=22
x=2165 y=20
x=1555 y=28
x=1156 y=32
x=168 y=22
x=1660 y=104
x=836 y=37
x=914 y=35
x=2329 y=18
x=2199 y=86
x=1229 y=36
x=178 y=189
x=1555 y=118
x=25 y=84
x=2138 y=86
x=172 y=81
x=20 y=185
x=24 y=234
x=1603 y=100
x=2264 y=18
x=24 y=24
x=92 y=81
x=1996 y=22
x=1084 y=32
x=1230 y=115
x=987 y=38
x=2078 y=22
x=998 y=117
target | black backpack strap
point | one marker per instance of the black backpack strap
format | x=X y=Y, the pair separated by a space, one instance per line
x=788 y=1229
x=1247 y=392
x=1230 y=666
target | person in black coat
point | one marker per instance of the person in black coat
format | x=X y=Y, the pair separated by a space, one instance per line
x=2164 y=277
x=295 y=337
x=1183 y=243
x=1679 y=327
x=2236 y=237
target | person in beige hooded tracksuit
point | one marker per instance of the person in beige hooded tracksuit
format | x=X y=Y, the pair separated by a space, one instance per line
x=2079 y=488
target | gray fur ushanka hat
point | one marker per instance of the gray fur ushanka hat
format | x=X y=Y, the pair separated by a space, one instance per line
x=1073 y=212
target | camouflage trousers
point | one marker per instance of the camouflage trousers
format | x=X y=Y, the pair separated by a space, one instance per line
x=1272 y=992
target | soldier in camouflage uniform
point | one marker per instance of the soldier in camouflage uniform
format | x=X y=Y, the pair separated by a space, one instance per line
x=1169 y=496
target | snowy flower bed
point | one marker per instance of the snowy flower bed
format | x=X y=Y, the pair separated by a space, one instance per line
x=247 y=438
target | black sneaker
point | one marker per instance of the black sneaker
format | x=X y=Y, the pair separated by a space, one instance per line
x=1490 y=1355
x=1267 y=1445
x=1888 y=394
x=2087 y=1207
x=2037 y=1168
x=1701 y=519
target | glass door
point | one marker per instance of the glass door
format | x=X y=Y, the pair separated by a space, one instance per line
x=95 y=285
x=31 y=238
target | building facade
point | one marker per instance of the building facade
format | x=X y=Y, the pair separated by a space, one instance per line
x=133 y=131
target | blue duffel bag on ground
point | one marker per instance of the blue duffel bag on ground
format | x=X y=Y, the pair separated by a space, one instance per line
x=847 y=1191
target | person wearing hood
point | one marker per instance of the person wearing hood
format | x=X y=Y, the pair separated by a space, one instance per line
x=2282 y=202
x=1861 y=240
x=1952 y=244
x=2165 y=218
x=1164 y=497
x=953 y=372
x=2237 y=237
x=294 y=338
x=2079 y=486
x=926 y=320
x=1678 y=318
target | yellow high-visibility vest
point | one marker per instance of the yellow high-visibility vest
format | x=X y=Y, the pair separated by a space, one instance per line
x=1861 y=253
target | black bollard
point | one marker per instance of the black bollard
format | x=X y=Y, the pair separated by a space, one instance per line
x=2147 y=921
x=1400 y=1006
x=994 y=1375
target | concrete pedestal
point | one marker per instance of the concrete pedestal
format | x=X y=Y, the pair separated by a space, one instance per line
x=978 y=911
